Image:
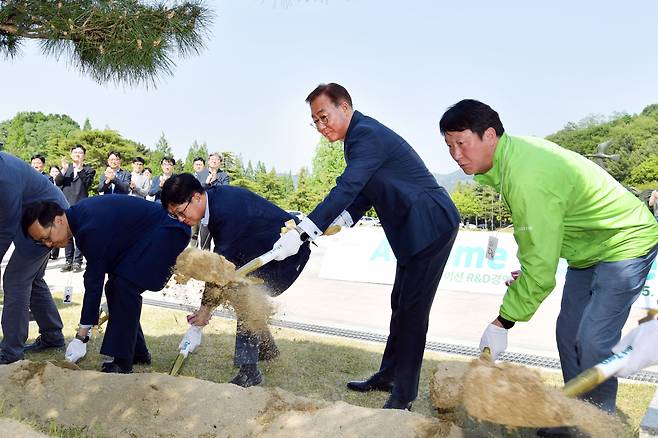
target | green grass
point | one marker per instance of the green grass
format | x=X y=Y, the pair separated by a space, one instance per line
x=310 y=365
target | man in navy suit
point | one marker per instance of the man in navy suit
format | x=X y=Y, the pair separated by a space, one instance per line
x=23 y=284
x=115 y=179
x=137 y=258
x=418 y=217
x=243 y=226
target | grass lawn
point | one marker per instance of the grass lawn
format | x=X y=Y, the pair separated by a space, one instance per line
x=310 y=365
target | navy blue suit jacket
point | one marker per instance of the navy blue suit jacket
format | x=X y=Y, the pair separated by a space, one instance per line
x=245 y=226
x=20 y=186
x=384 y=172
x=125 y=236
x=121 y=183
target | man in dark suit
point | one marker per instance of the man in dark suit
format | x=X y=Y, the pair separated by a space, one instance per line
x=23 y=284
x=243 y=226
x=75 y=181
x=418 y=217
x=167 y=165
x=136 y=259
x=115 y=179
x=200 y=232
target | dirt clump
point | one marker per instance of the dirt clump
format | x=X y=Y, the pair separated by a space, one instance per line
x=447 y=385
x=247 y=297
x=516 y=396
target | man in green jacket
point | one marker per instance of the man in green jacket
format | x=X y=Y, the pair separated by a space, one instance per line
x=563 y=206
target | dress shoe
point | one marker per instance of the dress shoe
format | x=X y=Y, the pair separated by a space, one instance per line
x=246 y=378
x=394 y=403
x=374 y=383
x=66 y=268
x=4 y=360
x=40 y=345
x=142 y=359
x=112 y=367
x=77 y=267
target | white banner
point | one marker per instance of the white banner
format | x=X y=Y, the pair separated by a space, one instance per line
x=364 y=255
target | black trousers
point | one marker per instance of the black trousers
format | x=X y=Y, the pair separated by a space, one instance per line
x=411 y=301
x=123 y=337
x=73 y=253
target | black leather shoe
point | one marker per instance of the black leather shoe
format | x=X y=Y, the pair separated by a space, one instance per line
x=394 y=403
x=40 y=345
x=142 y=360
x=5 y=361
x=247 y=379
x=111 y=367
x=269 y=353
x=66 y=268
x=374 y=383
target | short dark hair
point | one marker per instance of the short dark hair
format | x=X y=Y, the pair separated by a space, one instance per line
x=38 y=157
x=148 y=168
x=138 y=160
x=199 y=159
x=471 y=114
x=79 y=146
x=170 y=159
x=115 y=153
x=179 y=189
x=56 y=167
x=43 y=212
x=337 y=93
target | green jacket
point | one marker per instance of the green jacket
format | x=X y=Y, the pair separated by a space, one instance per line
x=562 y=205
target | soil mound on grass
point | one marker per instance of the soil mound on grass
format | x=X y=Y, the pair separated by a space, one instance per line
x=516 y=396
x=158 y=405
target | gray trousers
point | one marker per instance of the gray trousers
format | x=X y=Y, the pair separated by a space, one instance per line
x=25 y=290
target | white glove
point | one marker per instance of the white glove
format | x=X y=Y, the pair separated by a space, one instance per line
x=192 y=339
x=495 y=338
x=343 y=220
x=644 y=340
x=287 y=245
x=75 y=351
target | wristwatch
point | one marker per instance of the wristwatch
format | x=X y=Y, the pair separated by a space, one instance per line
x=84 y=339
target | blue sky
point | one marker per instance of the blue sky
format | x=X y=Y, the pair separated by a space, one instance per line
x=404 y=62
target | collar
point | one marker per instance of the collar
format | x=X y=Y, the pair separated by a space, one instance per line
x=356 y=117
x=206 y=215
x=493 y=176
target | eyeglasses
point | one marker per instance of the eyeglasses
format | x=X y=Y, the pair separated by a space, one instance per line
x=179 y=215
x=46 y=239
x=322 y=120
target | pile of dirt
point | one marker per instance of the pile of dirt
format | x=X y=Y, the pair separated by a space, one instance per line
x=516 y=396
x=150 y=404
x=247 y=298
x=447 y=385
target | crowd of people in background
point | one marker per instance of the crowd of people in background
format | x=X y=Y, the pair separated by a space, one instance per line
x=76 y=179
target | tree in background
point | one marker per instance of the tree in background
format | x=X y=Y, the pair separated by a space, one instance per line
x=162 y=149
x=125 y=41
x=646 y=172
x=87 y=125
x=29 y=132
x=196 y=150
x=302 y=199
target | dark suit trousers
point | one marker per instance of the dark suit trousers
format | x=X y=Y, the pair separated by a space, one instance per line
x=411 y=300
x=123 y=338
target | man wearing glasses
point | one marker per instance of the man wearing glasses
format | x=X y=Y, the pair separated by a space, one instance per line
x=243 y=226
x=418 y=217
x=138 y=258
x=23 y=284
